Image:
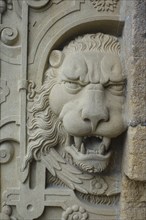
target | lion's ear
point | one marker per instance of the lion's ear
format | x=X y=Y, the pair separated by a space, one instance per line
x=56 y=58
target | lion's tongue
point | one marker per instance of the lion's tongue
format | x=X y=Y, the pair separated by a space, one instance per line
x=92 y=143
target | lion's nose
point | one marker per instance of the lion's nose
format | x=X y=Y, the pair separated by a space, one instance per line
x=94 y=119
x=94 y=109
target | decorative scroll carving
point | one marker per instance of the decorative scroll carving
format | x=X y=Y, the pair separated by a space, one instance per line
x=74 y=212
x=6 y=152
x=65 y=115
x=105 y=5
x=4 y=91
x=31 y=91
x=9 y=35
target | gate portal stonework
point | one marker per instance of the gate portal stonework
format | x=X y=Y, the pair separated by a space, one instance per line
x=73 y=110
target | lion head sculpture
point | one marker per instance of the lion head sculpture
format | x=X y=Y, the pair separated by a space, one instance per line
x=79 y=108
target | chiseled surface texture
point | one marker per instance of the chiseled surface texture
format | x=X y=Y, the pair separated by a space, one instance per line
x=72 y=96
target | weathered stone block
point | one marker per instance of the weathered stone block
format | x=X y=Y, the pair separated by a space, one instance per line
x=133 y=200
x=136 y=91
x=135 y=159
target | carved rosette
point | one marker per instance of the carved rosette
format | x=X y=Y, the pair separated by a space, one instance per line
x=98 y=185
x=105 y=5
x=75 y=213
x=4 y=91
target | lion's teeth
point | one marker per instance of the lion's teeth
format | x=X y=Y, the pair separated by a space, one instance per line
x=100 y=137
x=102 y=149
x=83 y=151
x=78 y=141
x=68 y=140
x=106 y=142
x=90 y=152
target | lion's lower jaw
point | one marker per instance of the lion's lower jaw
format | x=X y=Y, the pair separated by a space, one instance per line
x=91 y=163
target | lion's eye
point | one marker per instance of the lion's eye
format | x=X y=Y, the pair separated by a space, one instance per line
x=72 y=87
x=117 y=89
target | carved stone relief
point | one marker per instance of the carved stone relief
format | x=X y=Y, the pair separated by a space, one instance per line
x=92 y=87
x=75 y=115
x=63 y=111
x=105 y=5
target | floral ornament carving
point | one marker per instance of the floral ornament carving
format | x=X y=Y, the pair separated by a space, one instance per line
x=105 y=5
x=4 y=91
x=98 y=185
x=75 y=213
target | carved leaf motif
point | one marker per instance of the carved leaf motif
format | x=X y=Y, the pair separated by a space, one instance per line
x=71 y=176
x=105 y=5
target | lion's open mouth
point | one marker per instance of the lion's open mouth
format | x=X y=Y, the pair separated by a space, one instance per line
x=90 y=153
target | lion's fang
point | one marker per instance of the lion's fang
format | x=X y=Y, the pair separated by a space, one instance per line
x=102 y=149
x=78 y=142
x=83 y=150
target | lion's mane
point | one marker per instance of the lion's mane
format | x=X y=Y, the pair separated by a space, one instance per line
x=93 y=42
x=45 y=130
